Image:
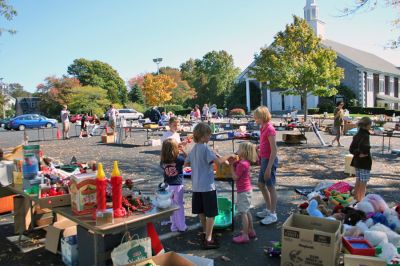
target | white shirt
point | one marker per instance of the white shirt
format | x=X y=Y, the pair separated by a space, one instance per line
x=171 y=135
x=112 y=114
x=64 y=116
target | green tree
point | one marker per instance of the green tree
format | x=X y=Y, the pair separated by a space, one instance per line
x=17 y=90
x=212 y=76
x=182 y=92
x=297 y=62
x=369 y=5
x=237 y=97
x=99 y=74
x=135 y=94
x=88 y=99
x=8 y=12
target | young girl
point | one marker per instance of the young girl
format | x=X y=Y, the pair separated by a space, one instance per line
x=204 y=199
x=174 y=125
x=362 y=161
x=241 y=174
x=172 y=164
x=269 y=163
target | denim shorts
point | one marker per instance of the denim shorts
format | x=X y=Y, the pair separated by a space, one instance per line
x=272 y=181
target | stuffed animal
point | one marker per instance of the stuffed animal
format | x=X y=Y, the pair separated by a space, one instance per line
x=392 y=236
x=313 y=210
x=372 y=203
x=376 y=238
x=338 y=198
x=323 y=206
x=352 y=216
x=381 y=219
x=389 y=253
x=393 y=219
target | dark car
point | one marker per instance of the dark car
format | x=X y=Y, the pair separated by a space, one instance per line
x=4 y=123
x=31 y=121
x=78 y=117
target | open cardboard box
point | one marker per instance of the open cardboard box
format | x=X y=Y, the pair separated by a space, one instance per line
x=167 y=259
x=54 y=201
x=357 y=260
x=62 y=228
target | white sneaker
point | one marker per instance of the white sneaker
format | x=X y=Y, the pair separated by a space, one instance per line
x=271 y=218
x=80 y=137
x=264 y=213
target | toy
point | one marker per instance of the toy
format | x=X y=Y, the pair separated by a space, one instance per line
x=381 y=219
x=375 y=237
x=393 y=219
x=358 y=246
x=340 y=187
x=389 y=253
x=343 y=199
x=275 y=250
x=352 y=216
x=312 y=209
x=372 y=203
x=392 y=236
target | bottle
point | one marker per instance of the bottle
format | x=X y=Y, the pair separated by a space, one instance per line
x=101 y=186
x=116 y=183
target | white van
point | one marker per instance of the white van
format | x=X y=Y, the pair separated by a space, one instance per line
x=129 y=114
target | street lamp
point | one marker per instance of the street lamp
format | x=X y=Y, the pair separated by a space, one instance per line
x=157 y=61
x=3 y=88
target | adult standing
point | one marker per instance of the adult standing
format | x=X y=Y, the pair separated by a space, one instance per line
x=338 y=122
x=206 y=111
x=155 y=115
x=65 y=122
x=197 y=114
x=213 y=110
x=112 y=117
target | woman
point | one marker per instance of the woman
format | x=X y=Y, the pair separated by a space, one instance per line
x=65 y=122
x=338 y=122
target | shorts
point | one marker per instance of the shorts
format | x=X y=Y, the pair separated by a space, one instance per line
x=112 y=123
x=272 y=181
x=205 y=202
x=363 y=175
x=243 y=201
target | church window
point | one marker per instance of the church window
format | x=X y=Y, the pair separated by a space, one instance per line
x=381 y=85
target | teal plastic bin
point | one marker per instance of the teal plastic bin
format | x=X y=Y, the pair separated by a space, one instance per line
x=224 y=218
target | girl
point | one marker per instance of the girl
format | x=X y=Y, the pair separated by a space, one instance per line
x=338 y=122
x=204 y=199
x=269 y=163
x=172 y=164
x=362 y=161
x=241 y=174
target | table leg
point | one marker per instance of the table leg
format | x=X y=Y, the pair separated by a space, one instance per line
x=383 y=144
x=233 y=205
x=233 y=145
x=389 y=144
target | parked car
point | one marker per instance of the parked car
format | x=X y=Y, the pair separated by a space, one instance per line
x=4 y=123
x=127 y=114
x=32 y=121
x=78 y=117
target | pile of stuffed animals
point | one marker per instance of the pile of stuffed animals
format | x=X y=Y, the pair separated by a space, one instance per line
x=370 y=219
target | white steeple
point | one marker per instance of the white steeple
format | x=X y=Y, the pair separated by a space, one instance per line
x=311 y=15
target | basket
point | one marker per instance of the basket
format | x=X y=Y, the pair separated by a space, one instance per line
x=224 y=218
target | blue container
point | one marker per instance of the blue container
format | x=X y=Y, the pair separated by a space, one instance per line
x=30 y=167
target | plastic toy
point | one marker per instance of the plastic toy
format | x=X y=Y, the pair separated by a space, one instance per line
x=358 y=246
x=275 y=250
x=312 y=209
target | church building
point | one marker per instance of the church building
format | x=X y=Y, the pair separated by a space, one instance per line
x=374 y=80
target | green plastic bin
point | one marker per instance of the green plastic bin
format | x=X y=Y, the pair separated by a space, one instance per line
x=224 y=218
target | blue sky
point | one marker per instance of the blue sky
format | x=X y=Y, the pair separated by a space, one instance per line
x=128 y=34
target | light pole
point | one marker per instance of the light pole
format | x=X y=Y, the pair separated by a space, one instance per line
x=157 y=61
x=3 y=87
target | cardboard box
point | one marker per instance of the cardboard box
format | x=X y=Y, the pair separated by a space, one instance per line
x=222 y=170
x=198 y=261
x=167 y=259
x=69 y=250
x=55 y=201
x=310 y=240
x=64 y=228
x=108 y=138
x=357 y=260
x=83 y=193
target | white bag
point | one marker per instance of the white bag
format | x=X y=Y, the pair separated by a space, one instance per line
x=131 y=250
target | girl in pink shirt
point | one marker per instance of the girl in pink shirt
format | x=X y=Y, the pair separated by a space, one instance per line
x=241 y=174
x=268 y=165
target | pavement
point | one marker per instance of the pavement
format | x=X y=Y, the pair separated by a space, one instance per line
x=301 y=166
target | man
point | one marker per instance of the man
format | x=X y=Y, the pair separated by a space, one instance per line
x=155 y=115
x=65 y=122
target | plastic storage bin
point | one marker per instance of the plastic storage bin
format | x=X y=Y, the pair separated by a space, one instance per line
x=224 y=217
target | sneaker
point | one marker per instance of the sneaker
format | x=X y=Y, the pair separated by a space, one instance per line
x=272 y=218
x=240 y=239
x=262 y=214
x=211 y=244
x=80 y=137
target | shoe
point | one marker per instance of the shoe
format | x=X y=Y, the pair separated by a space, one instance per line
x=89 y=136
x=270 y=219
x=252 y=234
x=80 y=137
x=262 y=214
x=210 y=244
x=240 y=239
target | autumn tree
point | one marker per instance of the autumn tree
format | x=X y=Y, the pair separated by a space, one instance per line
x=55 y=92
x=99 y=74
x=8 y=12
x=297 y=62
x=369 y=5
x=182 y=92
x=157 y=89
x=212 y=76
x=88 y=99
x=17 y=90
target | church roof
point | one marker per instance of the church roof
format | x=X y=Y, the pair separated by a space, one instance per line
x=361 y=58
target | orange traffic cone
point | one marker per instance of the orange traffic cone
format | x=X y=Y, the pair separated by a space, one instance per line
x=107 y=130
x=156 y=245
x=58 y=134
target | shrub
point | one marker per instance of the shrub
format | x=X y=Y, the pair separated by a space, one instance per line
x=171 y=108
x=326 y=106
x=313 y=111
x=183 y=112
x=237 y=111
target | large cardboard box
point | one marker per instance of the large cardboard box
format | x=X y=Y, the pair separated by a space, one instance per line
x=356 y=260
x=63 y=228
x=310 y=240
x=167 y=259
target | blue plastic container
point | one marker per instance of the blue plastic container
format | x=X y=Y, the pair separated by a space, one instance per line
x=224 y=218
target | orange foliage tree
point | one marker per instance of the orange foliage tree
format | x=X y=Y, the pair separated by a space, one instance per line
x=157 y=89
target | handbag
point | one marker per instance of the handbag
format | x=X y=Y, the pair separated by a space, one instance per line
x=132 y=250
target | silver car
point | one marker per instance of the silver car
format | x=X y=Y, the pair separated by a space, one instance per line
x=129 y=114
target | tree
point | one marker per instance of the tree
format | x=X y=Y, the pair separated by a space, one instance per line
x=17 y=90
x=297 y=62
x=212 y=76
x=88 y=99
x=8 y=12
x=55 y=92
x=369 y=5
x=99 y=74
x=237 y=97
x=135 y=94
x=182 y=92
x=157 y=89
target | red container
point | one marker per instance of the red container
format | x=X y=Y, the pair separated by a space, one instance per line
x=358 y=246
x=7 y=204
